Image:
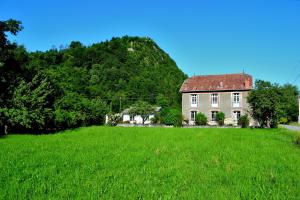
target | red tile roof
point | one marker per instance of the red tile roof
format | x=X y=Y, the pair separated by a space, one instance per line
x=217 y=83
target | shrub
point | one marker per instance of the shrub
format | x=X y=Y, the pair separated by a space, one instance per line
x=298 y=139
x=113 y=120
x=283 y=120
x=244 y=121
x=201 y=119
x=155 y=119
x=220 y=118
x=172 y=117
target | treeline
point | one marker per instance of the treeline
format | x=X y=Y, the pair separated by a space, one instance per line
x=77 y=85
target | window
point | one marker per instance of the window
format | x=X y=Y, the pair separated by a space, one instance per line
x=236 y=99
x=236 y=115
x=193 y=115
x=193 y=100
x=214 y=115
x=214 y=100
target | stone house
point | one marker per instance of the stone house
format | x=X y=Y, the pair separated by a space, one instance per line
x=211 y=94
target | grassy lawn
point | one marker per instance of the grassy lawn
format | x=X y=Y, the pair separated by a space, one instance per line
x=151 y=163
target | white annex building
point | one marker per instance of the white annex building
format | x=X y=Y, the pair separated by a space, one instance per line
x=127 y=118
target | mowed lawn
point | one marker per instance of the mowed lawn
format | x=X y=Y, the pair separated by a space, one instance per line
x=151 y=163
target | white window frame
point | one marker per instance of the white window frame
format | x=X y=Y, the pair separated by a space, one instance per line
x=234 y=115
x=194 y=100
x=234 y=101
x=193 y=118
x=214 y=119
x=214 y=100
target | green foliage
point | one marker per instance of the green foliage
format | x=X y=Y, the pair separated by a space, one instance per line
x=283 y=120
x=113 y=119
x=201 y=119
x=193 y=164
x=171 y=117
x=270 y=102
x=74 y=110
x=288 y=99
x=156 y=119
x=84 y=80
x=264 y=103
x=244 y=121
x=220 y=118
x=298 y=139
x=143 y=109
x=30 y=106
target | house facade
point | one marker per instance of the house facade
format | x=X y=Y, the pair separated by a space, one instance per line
x=216 y=93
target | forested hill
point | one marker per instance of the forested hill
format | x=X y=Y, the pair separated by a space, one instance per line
x=126 y=69
x=79 y=84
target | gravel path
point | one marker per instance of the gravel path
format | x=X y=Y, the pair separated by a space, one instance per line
x=293 y=128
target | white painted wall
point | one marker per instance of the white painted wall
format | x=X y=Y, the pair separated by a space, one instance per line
x=137 y=119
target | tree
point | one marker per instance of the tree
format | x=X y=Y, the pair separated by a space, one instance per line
x=171 y=116
x=9 y=26
x=264 y=101
x=288 y=98
x=244 y=121
x=30 y=106
x=143 y=109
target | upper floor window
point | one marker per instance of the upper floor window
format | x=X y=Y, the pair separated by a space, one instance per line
x=194 y=100
x=193 y=115
x=214 y=100
x=236 y=99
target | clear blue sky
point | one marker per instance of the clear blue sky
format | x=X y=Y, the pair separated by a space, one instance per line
x=203 y=37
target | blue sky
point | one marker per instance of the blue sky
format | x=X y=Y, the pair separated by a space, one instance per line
x=261 y=37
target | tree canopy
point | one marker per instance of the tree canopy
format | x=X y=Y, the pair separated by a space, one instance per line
x=269 y=102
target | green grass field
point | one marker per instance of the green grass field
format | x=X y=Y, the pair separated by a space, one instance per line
x=151 y=163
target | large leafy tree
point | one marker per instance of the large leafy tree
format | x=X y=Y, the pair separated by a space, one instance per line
x=269 y=102
x=31 y=104
x=264 y=103
x=289 y=102
x=143 y=109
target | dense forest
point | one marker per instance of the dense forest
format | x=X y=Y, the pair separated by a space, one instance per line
x=77 y=85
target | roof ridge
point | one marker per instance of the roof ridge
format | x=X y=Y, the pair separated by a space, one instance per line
x=221 y=75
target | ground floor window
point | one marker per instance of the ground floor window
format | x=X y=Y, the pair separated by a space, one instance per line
x=236 y=115
x=214 y=115
x=193 y=115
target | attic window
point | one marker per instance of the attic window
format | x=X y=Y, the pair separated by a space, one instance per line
x=221 y=84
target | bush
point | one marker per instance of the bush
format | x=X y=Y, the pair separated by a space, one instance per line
x=113 y=120
x=298 y=139
x=244 y=121
x=220 y=118
x=155 y=120
x=201 y=119
x=172 y=117
x=283 y=120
